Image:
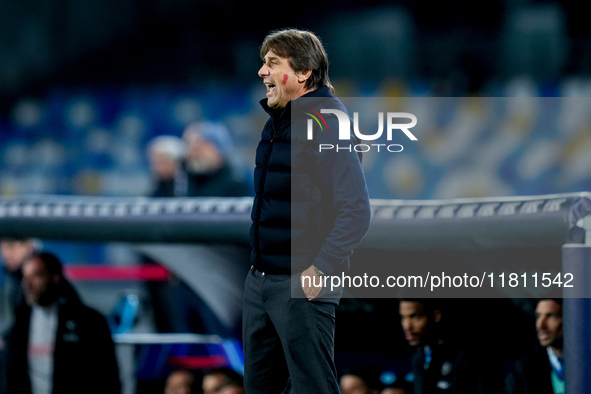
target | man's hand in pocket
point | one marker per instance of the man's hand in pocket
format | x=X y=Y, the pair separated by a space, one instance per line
x=311 y=278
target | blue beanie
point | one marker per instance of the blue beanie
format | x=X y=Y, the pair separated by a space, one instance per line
x=215 y=133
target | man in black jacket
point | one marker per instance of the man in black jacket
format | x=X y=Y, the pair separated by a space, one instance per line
x=311 y=202
x=58 y=345
x=541 y=370
x=440 y=365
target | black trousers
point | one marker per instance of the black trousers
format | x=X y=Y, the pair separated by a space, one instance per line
x=286 y=339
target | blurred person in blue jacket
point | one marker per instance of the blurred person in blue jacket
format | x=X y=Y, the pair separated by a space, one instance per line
x=58 y=345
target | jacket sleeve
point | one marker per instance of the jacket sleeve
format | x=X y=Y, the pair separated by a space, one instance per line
x=341 y=174
x=14 y=356
x=105 y=361
x=513 y=384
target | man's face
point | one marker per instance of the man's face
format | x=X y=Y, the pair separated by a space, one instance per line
x=281 y=81
x=549 y=323
x=38 y=283
x=202 y=156
x=393 y=390
x=415 y=321
x=14 y=253
x=216 y=384
x=162 y=166
x=351 y=384
x=179 y=383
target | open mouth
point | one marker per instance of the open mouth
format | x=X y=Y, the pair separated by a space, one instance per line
x=410 y=337
x=270 y=88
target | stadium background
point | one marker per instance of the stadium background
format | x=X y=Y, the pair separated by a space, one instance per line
x=85 y=86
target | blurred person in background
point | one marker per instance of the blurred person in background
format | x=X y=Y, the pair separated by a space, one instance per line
x=222 y=381
x=210 y=175
x=439 y=365
x=166 y=154
x=182 y=381
x=541 y=370
x=208 y=163
x=361 y=380
x=57 y=344
x=14 y=252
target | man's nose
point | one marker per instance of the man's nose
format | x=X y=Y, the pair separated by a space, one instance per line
x=405 y=325
x=263 y=71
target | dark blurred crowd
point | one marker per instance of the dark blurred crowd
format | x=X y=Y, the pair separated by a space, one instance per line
x=197 y=165
x=443 y=363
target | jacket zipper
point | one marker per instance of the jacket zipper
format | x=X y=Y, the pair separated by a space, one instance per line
x=263 y=180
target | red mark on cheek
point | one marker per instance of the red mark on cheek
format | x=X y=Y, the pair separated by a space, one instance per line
x=284 y=79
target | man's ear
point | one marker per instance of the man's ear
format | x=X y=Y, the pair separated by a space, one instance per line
x=303 y=76
x=436 y=315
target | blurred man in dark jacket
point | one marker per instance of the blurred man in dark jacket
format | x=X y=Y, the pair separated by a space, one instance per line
x=290 y=336
x=541 y=371
x=57 y=344
x=210 y=170
x=441 y=365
